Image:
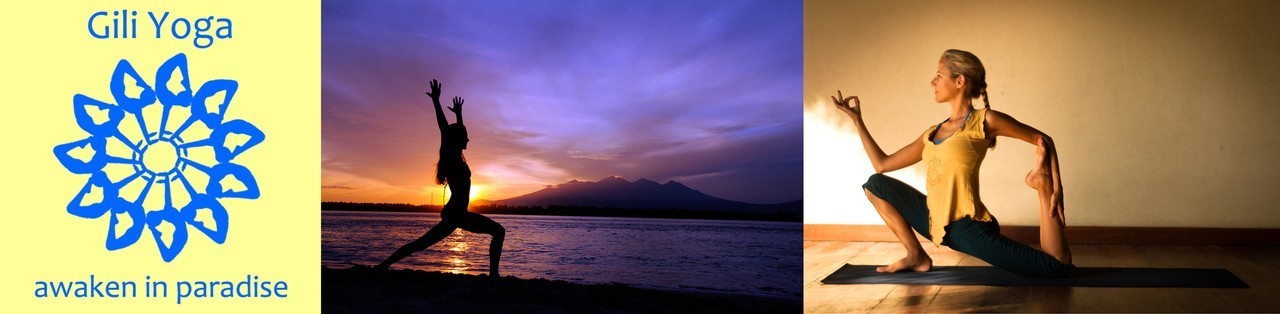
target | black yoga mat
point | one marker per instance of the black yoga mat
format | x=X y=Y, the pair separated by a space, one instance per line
x=1080 y=277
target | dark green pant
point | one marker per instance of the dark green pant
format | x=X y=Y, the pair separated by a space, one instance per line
x=977 y=238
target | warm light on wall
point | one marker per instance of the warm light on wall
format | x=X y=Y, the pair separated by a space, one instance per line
x=835 y=166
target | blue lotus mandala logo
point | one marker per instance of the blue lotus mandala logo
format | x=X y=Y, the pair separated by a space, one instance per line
x=160 y=167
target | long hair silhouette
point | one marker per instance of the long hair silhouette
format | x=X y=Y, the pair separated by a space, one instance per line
x=453 y=141
x=452 y=171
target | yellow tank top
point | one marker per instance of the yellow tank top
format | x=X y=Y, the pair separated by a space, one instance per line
x=952 y=177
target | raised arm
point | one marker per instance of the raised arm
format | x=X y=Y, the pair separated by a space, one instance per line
x=457 y=109
x=882 y=163
x=1000 y=124
x=435 y=99
x=1044 y=177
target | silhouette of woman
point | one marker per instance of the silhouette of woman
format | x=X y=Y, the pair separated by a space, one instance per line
x=452 y=171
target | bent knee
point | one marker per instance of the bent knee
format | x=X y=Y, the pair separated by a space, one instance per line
x=874 y=182
x=875 y=179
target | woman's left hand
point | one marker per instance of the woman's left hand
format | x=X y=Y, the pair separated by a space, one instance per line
x=457 y=105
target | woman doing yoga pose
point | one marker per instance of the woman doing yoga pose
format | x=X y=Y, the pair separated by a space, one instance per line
x=452 y=170
x=953 y=214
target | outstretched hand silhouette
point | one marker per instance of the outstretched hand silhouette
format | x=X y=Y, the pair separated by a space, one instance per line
x=435 y=90
x=457 y=105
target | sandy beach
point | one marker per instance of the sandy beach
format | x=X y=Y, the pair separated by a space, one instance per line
x=364 y=290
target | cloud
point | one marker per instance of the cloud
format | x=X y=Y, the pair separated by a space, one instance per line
x=581 y=155
x=704 y=90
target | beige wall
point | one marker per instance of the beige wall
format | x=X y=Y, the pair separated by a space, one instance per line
x=1167 y=113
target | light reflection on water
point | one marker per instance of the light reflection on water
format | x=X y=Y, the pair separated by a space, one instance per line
x=746 y=257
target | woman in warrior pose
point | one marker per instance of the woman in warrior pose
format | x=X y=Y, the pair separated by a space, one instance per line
x=452 y=170
x=953 y=214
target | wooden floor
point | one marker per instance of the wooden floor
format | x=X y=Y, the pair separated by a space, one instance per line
x=1259 y=266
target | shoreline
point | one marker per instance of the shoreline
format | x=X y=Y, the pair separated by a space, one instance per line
x=574 y=211
x=363 y=289
x=588 y=217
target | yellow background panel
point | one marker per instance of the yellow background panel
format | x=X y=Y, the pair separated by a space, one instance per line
x=274 y=55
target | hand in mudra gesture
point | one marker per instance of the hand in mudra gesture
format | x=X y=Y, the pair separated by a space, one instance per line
x=842 y=103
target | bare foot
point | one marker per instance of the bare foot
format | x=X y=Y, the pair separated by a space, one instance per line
x=919 y=264
x=1040 y=178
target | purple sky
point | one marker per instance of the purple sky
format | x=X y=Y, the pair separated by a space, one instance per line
x=707 y=93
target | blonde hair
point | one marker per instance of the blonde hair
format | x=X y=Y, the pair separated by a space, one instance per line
x=964 y=63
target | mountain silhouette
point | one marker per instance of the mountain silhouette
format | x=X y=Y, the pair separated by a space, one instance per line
x=617 y=192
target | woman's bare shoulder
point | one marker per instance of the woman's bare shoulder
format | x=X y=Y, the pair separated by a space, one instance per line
x=996 y=114
x=997 y=119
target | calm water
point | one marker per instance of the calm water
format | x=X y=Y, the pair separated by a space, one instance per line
x=743 y=257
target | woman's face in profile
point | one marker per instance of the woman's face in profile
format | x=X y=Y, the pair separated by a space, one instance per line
x=944 y=87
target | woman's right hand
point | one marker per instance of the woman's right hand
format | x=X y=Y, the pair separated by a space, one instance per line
x=435 y=90
x=854 y=111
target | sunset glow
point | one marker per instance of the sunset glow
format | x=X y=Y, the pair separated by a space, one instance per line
x=704 y=93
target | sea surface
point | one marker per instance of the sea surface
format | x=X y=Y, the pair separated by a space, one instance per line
x=739 y=257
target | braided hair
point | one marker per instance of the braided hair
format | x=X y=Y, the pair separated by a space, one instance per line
x=962 y=62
